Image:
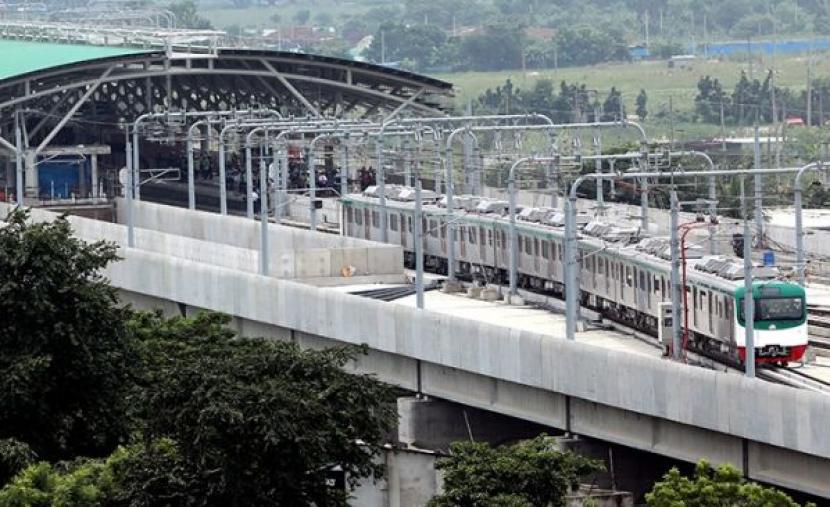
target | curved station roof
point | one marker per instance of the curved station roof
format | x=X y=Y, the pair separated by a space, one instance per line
x=124 y=82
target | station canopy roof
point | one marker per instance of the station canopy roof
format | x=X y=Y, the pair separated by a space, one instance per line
x=23 y=57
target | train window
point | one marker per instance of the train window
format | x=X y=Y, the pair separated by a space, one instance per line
x=472 y=234
x=358 y=218
x=545 y=250
x=628 y=278
x=393 y=222
x=519 y=243
x=694 y=299
x=409 y=223
x=536 y=247
x=656 y=284
x=601 y=266
x=375 y=218
x=489 y=237
x=349 y=215
x=433 y=229
x=528 y=246
x=648 y=283
x=481 y=234
x=702 y=297
x=642 y=280
x=424 y=227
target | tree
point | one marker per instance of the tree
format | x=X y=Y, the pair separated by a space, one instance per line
x=258 y=421
x=588 y=45
x=131 y=476
x=499 y=46
x=642 y=102
x=709 y=99
x=302 y=16
x=422 y=44
x=66 y=361
x=532 y=472
x=187 y=15
x=613 y=108
x=14 y=457
x=721 y=486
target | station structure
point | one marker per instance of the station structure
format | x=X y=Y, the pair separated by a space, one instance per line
x=72 y=105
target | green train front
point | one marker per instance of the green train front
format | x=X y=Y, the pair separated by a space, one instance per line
x=780 y=323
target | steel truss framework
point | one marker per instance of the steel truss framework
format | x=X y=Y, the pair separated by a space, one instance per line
x=121 y=88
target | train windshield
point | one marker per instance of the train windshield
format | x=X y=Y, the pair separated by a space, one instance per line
x=779 y=309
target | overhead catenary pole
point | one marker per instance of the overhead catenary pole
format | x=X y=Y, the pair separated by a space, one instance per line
x=749 y=300
x=419 y=244
x=18 y=158
x=759 y=191
x=264 y=257
x=572 y=289
x=676 y=289
x=800 y=258
x=129 y=192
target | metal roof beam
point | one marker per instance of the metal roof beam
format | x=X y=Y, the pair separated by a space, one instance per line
x=72 y=111
x=404 y=105
x=299 y=96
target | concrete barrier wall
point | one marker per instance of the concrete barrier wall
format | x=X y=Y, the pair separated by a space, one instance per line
x=230 y=229
x=725 y=403
x=369 y=259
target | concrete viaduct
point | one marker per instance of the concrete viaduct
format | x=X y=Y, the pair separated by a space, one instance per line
x=773 y=433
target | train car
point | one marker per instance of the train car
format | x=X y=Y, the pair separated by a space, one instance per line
x=622 y=276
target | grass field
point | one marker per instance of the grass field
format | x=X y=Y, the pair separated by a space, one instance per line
x=659 y=81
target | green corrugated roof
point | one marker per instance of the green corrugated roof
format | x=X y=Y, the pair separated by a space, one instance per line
x=21 y=57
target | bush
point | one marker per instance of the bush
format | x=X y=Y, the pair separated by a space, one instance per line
x=532 y=472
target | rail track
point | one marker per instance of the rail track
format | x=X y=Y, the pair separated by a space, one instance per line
x=818 y=327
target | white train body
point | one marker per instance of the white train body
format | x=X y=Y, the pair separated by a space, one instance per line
x=623 y=281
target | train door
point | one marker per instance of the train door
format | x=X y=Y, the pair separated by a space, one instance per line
x=537 y=254
x=482 y=245
x=710 y=310
x=404 y=232
x=462 y=235
x=442 y=233
x=367 y=224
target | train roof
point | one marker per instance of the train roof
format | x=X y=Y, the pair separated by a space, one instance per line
x=719 y=272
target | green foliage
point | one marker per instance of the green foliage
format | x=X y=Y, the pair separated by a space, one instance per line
x=587 y=45
x=302 y=16
x=709 y=487
x=423 y=45
x=14 y=457
x=530 y=473
x=130 y=477
x=258 y=421
x=498 y=46
x=187 y=15
x=66 y=361
x=642 y=105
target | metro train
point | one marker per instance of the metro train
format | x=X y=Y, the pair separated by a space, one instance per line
x=623 y=276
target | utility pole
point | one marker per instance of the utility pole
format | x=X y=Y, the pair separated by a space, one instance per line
x=671 y=120
x=759 y=190
x=749 y=302
x=661 y=20
x=705 y=38
x=810 y=90
x=722 y=127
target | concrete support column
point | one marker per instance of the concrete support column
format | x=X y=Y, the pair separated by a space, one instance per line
x=32 y=178
x=428 y=423
x=93 y=162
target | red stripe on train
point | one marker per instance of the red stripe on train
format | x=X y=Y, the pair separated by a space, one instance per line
x=796 y=353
